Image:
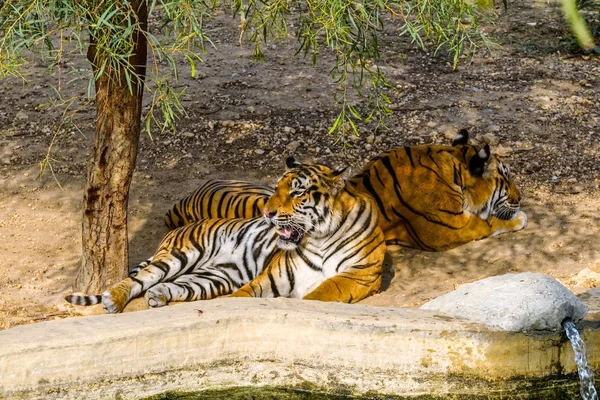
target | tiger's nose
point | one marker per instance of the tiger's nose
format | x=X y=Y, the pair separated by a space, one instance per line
x=269 y=213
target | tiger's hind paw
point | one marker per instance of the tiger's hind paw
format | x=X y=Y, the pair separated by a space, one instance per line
x=156 y=296
x=110 y=303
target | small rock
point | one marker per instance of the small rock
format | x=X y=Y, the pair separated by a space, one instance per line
x=432 y=124
x=292 y=146
x=288 y=129
x=259 y=152
x=187 y=134
x=554 y=179
x=250 y=109
x=22 y=115
x=203 y=171
x=576 y=189
x=228 y=123
x=494 y=128
x=503 y=151
x=490 y=139
x=5 y=161
x=450 y=133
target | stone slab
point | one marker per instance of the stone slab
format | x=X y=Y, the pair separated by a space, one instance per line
x=282 y=342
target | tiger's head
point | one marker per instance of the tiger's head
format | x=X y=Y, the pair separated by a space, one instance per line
x=303 y=202
x=490 y=189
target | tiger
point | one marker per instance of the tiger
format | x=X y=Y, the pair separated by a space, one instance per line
x=318 y=239
x=219 y=199
x=430 y=197
x=437 y=197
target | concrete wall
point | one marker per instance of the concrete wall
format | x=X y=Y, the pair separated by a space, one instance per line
x=279 y=342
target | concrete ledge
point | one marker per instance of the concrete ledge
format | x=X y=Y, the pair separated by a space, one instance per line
x=278 y=342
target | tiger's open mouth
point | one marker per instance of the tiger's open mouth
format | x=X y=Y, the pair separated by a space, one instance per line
x=288 y=235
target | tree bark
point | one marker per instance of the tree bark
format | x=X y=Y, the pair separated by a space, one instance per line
x=110 y=168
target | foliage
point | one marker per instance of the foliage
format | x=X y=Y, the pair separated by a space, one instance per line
x=347 y=28
x=581 y=15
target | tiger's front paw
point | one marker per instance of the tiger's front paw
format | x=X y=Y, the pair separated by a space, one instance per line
x=157 y=296
x=520 y=221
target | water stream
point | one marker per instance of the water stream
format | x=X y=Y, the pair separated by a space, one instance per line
x=586 y=375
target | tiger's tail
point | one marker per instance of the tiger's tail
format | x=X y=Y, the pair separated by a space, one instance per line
x=81 y=300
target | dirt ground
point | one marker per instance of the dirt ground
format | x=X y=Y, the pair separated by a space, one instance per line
x=533 y=95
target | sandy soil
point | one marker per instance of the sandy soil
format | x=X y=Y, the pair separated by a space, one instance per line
x=534 y=96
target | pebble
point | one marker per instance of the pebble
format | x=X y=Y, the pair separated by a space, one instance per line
x=432 y=124
x=259 y=152
x=450 y=133
x=203 y=171
x=490 y=139
x=289 y=129
x=293 y=146
x=188 y=134
x=22 y=115
x=494 y=128
x=576 y=189
x=503 y=151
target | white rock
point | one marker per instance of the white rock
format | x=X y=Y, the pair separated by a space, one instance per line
x=512 y=302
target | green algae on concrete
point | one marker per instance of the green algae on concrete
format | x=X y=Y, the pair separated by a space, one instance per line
x=548 y=389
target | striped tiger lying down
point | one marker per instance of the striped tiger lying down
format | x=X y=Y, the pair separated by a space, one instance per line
x=431 y=197
x=319 y=239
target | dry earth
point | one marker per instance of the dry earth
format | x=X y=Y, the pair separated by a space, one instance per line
x=537 y=98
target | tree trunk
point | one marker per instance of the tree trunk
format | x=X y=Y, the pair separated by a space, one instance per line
x=110 y=169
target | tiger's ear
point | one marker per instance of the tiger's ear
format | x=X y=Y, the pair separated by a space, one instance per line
x=478 y=161
x=461 y=138
x=291 y=162
x=336 y=180
x=338 y=172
